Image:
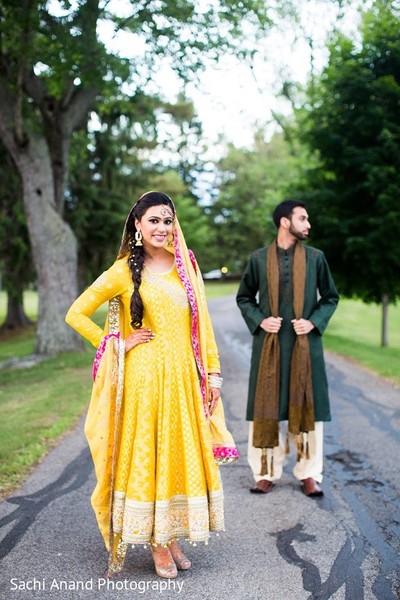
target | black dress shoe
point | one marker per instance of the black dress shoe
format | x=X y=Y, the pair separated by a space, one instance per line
x=262 y=487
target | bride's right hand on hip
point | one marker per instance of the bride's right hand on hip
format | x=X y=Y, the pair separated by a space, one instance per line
x=140 y=336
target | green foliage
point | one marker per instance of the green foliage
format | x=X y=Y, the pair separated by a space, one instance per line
x=186 y=32
x=61 y=48
x=14 y=243
x=109 y=171
x=182 y=138
x=15 y=252
x=52 y=58
x=107 y=175
x=252 y=183
x=354 y=129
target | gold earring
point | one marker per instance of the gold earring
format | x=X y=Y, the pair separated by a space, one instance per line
x=171 y=240
x=138 y=238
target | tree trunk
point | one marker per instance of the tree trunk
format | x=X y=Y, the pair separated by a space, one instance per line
x=54 y=250
x=384 y=331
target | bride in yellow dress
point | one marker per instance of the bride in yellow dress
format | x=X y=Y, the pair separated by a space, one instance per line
x=155 y=424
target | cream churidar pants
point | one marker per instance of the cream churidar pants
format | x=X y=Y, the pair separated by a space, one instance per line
x=306 y=467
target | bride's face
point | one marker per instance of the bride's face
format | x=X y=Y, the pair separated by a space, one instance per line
x=156 y=226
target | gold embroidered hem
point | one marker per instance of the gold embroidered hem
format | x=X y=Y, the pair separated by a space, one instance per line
x=163 y=521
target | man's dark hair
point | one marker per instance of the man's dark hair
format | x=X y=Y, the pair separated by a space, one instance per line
x=285 y=209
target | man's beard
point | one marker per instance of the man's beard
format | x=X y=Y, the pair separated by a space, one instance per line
x=297 y=234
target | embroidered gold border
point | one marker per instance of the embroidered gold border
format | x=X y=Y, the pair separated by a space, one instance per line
x=164 y=520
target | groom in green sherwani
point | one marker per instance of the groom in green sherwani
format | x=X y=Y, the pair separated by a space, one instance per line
x=287 y=296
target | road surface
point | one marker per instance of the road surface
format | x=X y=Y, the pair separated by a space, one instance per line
x=281 y=546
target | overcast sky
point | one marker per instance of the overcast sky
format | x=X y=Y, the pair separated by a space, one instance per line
x=231 y=97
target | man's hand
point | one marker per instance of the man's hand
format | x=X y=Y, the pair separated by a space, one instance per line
x=271 y=324
x=302 y=326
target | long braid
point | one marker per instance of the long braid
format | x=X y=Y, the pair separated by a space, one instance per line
x=136 y=253
x=136 y=263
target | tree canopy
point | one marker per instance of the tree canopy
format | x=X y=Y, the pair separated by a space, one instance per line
x=353 y=127
x=251 y=182
x=53 y=69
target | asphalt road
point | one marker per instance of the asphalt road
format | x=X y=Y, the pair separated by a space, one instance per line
x=282 y=546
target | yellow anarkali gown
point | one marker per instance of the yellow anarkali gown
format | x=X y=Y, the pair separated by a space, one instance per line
x=166 y=483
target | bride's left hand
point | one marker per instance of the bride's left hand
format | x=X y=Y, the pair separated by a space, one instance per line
x=215 y=394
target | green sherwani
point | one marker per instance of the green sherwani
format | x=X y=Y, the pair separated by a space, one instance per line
x=321 y=299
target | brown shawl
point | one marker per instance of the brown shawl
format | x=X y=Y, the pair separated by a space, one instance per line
x=301 y=403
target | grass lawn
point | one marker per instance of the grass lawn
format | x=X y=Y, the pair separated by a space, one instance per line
x=354 y=331
x=39 y=404
x=216 y=289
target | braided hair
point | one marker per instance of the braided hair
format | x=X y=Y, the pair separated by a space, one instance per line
x=136 y=254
